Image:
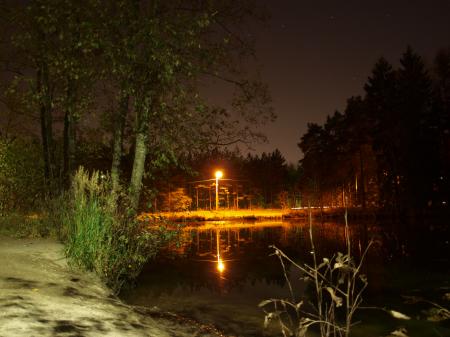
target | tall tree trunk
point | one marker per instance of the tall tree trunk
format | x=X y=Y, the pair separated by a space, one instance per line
x=69 y=133
x=137 y=174
x=119 y=126
x=46 y=123
x=140 y=152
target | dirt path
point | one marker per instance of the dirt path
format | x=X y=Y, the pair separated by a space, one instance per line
x=41 y=296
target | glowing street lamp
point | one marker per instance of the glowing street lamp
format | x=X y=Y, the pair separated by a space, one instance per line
x=218 y=174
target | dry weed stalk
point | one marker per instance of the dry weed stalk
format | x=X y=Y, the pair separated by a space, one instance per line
x=338 y=286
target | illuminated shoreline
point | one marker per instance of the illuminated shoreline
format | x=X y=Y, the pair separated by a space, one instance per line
x=258 y=214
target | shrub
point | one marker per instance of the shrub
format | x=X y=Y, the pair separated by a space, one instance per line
x=25 y=226
x=176 y=200
x=102 y=236
x=21 y=175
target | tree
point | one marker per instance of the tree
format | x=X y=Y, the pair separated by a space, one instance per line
x=359 y=139
x=312 y=144
x=440 y=126
x=414 y=93
x=143 y=58
x=381 y=98
x=171 y=46
x=53 y=44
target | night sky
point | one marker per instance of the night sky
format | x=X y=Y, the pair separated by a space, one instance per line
x=316 y=54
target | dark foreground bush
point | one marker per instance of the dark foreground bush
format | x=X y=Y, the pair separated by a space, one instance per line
x=21 y=225
x=21 y=176
x=105 y=238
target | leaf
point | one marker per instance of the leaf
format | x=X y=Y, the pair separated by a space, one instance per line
x=398 y=315
x=303 y=327
x=446 y=297
x=336 y=299
x=402 y=332
x=264 y=303
x=363 y=278
x=270 y=316
x=338 y=265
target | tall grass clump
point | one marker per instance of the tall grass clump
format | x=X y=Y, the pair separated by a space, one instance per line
x=102 y=235
x=337 y=285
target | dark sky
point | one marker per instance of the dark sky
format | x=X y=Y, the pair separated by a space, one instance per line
x=316 y=54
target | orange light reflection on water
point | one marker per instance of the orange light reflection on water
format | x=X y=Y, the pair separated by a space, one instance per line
x=220 y=242
x=220 y=264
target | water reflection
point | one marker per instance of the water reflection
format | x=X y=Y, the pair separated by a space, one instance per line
x=222 y=257
x=220 y=271
x=220 y=263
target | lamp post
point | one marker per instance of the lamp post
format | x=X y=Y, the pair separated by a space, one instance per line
x=218 y=175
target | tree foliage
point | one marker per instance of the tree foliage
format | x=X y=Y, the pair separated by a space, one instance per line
x=386 y=148
x=131 y=68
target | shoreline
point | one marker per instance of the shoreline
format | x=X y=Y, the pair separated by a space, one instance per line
x=327 y=213
x=40 y=295
x=259 y=214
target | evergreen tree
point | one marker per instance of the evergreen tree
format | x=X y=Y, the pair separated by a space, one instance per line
x=381 y=99
x=415 y=136
x=440 y=128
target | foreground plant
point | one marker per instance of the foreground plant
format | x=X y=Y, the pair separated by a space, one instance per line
x=102 y=236
x=338 y=285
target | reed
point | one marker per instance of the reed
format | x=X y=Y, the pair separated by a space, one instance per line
x=337 y=285
x=102 y=236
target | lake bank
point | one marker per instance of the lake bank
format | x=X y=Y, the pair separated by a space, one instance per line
x=41 y=296
x=259 y=214
x=324 y=213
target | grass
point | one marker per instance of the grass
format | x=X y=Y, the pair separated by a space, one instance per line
x=102 y=236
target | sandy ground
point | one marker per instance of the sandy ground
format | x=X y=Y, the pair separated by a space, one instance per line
x=41 y=296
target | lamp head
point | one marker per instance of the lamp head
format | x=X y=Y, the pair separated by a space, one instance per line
x=219 y=174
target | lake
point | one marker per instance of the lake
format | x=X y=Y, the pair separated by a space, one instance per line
x=219 y=272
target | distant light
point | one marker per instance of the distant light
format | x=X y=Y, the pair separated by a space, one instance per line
x=220 y=265
x=219 y=174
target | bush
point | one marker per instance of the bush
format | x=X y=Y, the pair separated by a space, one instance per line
x=21 y=175
x=25 y=226
x=176 y=200
x=104 y=237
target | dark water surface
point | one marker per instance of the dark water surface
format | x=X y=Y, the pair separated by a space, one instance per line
x=220 y=271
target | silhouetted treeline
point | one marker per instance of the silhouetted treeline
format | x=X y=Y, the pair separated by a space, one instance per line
x=389 y=148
